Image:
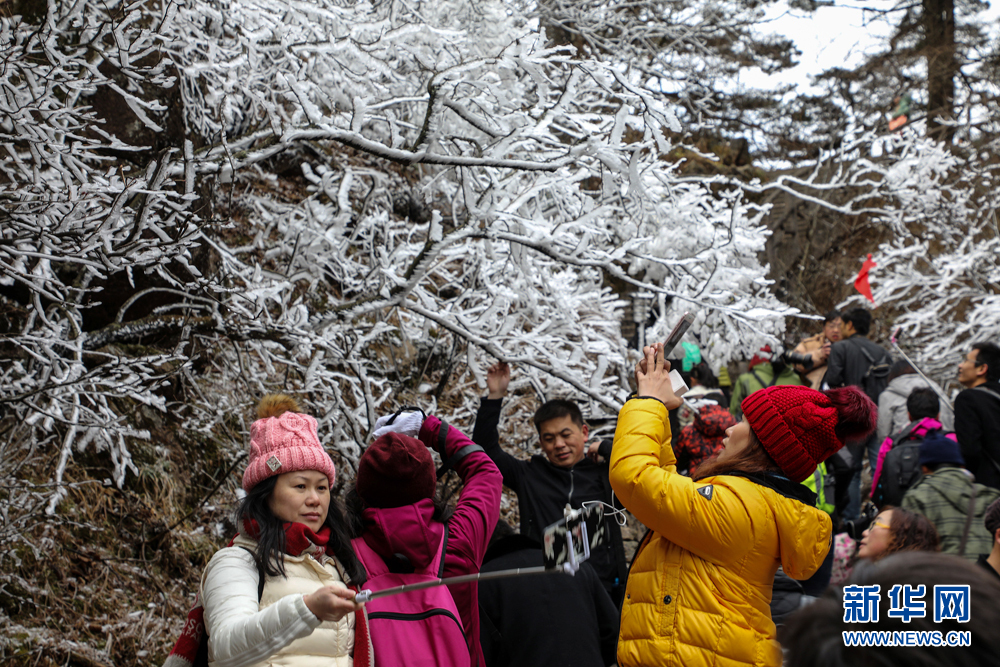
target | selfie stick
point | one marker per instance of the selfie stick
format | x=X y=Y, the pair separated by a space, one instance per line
x=366 y=595
x=569 y=567
x=932 y=385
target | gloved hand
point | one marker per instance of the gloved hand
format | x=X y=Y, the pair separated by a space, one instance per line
x=407 y=423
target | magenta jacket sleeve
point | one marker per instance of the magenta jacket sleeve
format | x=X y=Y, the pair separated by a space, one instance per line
x=471 y=526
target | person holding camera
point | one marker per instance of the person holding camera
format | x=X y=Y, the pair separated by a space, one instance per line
x=809 y=356
x=701 y=581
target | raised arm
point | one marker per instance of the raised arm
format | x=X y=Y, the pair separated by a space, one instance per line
x=471 y=525
x=645 y=479
x=486 y=434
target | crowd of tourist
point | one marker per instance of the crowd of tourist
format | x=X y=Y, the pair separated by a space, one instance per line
x=827 y=490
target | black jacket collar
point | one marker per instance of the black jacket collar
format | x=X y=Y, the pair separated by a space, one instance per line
x=781 y=485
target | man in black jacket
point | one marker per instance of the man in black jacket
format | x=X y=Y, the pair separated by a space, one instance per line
x=977 y=413
x=850 y=361
x=547 y=619
x=569 y=471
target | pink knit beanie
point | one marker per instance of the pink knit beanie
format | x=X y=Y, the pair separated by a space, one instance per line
x=283 y=440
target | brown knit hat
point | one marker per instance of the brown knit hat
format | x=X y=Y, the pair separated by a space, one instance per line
x=396 y=470
x=992 y=518
x=800 y=427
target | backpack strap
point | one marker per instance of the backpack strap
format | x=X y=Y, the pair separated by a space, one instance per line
x=441 y=553
x=774 y=378
x=371 y=561
x=968 y=518
x=902 y=435
x=871 y=360
x=454 y=459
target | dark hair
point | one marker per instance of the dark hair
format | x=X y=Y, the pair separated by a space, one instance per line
x=812 y=637
x=831 y=316
x=901 y=367
x=923 y=403
x=702 y=372
x=860 y=318
x=753 y=459
x=910 y=531
x=270 y=554
x=557 y=409
x=989 y=354
x=991 y=518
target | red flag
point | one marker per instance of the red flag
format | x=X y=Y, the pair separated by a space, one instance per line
x=861 y=282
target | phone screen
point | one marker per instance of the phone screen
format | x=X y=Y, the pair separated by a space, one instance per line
x=675 y=336
x=571 y=540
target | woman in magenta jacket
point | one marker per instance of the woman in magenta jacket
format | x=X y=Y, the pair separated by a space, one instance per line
x=395 y=512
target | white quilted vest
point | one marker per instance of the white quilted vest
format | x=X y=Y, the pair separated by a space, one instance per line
x=329 y=645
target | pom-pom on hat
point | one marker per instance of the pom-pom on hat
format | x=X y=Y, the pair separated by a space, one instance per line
x=801 y=427
x=283 y=440
x=396 y=470
x=939 y=448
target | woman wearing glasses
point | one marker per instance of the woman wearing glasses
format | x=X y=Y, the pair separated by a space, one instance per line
x=894 y=530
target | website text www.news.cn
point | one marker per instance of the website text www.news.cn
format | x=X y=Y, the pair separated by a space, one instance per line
x=861 y=605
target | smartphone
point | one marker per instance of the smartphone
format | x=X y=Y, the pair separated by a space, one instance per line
x=675 y=336
x=569 y=541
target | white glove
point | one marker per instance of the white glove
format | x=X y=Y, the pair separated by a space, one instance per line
x=407 y=423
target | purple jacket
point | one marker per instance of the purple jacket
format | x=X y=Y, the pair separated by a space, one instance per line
x=410 y=530
x=920 y=430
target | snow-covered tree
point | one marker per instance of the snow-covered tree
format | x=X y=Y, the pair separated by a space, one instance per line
x=469 y=192
x=938 y=277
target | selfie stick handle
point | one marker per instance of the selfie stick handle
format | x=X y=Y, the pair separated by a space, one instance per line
x=366 y=595
x=932 y=385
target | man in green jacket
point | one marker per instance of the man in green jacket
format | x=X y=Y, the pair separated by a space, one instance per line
x=760 y=375
x=946 y=494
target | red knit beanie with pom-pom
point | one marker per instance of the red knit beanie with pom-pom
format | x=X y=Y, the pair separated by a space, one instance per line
x=801 y=427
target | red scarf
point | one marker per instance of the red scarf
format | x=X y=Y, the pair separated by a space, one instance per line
x=299 y=539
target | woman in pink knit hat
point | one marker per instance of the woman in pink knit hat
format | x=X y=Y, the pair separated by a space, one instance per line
x=278 y=595
x=699 y=589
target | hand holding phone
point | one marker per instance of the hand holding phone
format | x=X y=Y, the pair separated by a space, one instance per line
x=654 y=378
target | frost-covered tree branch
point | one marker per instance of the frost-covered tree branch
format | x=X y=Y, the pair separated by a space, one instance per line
x=466 y=192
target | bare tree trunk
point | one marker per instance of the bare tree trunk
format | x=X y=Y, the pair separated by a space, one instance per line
x=939 y=32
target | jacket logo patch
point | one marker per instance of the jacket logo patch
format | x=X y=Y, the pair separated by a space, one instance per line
x=706 y=491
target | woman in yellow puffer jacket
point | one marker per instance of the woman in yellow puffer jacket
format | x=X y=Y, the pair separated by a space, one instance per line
x=700 y=585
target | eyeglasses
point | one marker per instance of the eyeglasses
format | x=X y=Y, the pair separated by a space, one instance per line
x=880 y=525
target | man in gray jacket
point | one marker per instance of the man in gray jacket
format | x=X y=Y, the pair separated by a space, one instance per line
x=892 y=414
